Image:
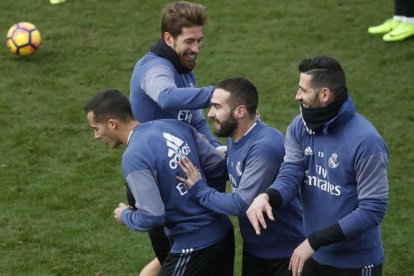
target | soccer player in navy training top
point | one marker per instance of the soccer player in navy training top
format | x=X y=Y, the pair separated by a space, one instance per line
x=203 y=240
x=337 y=161
x=163 y=85
x=255 y=153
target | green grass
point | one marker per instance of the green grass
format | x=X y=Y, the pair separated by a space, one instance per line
x=58 y=187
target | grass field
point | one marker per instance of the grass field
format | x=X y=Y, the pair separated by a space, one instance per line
x=58 y=187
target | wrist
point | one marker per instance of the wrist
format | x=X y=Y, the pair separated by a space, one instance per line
x=265 y=196
x=274 y=198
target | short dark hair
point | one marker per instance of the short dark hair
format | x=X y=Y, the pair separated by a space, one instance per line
x=177 y=15
x=242 y=92
x=109 y=103
x=326 y=72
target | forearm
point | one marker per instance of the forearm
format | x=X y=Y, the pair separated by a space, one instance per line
x=372 y=193
x=223 y=203
x=368 y=214
x=185 y=98
x=287 y=184
x=159 y=84
x=139 y=221
x=326 y=236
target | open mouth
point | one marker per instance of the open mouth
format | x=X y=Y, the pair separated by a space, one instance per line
x=190 y=57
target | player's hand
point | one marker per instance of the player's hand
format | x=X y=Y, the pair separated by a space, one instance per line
x=255 y=212
x=222 y=150
x=118 y=211
x=300 y=255
x=193 y=174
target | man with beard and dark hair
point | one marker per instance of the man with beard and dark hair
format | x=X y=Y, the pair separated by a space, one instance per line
x=163 y=86
x=337 y=161
x=255 y=153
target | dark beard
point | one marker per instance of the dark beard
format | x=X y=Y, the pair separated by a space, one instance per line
x=161 y=49
x=188 y=65
x=227 y=127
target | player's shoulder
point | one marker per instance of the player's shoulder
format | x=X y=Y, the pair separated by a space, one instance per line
x=266 y=133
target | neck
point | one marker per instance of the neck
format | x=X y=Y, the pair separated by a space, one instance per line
x=126 y=131
x=316 y=118
x=242 y=129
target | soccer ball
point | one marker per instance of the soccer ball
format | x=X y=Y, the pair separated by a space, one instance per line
x=23 y=39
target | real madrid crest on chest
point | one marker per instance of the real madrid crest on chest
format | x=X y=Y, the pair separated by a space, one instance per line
x=239 y=168
x=333 y=161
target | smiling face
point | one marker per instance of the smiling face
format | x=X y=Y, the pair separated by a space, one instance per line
x=187 y=45
x=104 y=131
x=221 y=113
x=306 y=95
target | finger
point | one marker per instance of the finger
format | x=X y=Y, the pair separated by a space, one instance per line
x=257 y=228
x=253 y=220
x=180 y=164
x=261 y=219
x=300 y=267
x=269 y=212
x=292 y=266
x=179 y=178
x=116 y=213
x=188 y=164
x=183 y=166
x=292 y=262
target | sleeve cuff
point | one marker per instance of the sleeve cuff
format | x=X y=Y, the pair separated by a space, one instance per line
x=326 y=236
x=275 y=198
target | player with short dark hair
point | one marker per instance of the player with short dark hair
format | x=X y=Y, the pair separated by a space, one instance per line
x=203 y=240
x=337 y=161
x=255 y=153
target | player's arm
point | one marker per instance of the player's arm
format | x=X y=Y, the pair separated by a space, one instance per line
x=372 y=182
x=372 y=185
x=149 y=211
x=285 y=188
x=220 y=202
x=291 y=173
x=159 y=84
x=212 y=162
x=236 y=203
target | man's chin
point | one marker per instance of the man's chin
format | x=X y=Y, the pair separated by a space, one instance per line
x=113 y=146
x=189 y=64
x=219 y=133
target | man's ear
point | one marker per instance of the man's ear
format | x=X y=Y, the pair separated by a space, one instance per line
x=240 y=112
x=113 y=124
x=168 y=39
x=326 y=96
